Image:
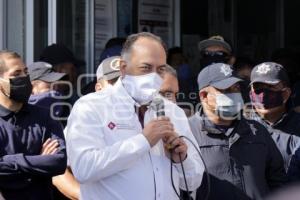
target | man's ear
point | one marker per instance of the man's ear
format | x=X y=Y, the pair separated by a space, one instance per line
x=203 y=95
x=34 y=84
x=286 y=94
x=232 y=60
x=123 y=66
x=4 y=87
x=1 y=86
x=98 y=86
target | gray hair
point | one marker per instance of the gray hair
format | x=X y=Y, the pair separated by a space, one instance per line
x=10 y=54
x=131 y=39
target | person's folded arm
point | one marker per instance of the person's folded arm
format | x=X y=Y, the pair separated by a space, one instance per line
x=8 y=169
x=38 y=165
x=46 y=165
x=16 y=169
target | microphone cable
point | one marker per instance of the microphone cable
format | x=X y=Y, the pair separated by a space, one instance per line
x=184 y=177
x=183 y=171
x=158 y=104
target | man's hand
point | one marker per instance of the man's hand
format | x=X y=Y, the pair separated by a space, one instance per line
x=50 y=147
x=158 y=129
x=1 y=197
x=177 y=146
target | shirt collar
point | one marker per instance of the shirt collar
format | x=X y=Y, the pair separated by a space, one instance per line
x=284 y=119
x=280 y=121
x=5 y=112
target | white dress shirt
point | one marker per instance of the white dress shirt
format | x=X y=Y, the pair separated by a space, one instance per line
x=113 y=160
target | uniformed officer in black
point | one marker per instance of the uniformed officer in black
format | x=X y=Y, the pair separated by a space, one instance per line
x=242 y=159
x=270 y=94
x=32 y=147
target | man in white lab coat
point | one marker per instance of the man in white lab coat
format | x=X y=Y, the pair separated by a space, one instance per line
x=118 y=149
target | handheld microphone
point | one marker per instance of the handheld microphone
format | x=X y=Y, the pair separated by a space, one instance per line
x=159 y=106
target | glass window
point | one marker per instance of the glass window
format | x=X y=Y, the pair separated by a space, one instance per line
x=15 y=27
x=15 y=16
x=40 y=27
x=72 y=27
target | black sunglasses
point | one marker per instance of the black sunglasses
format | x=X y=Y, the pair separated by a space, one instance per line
x=214 y=53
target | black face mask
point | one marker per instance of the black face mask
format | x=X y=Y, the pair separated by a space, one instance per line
x=20 y=88
x=205 y=61
x=266 y=98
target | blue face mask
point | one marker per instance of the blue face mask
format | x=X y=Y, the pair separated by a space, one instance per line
x=229 y=105
x=45 y=100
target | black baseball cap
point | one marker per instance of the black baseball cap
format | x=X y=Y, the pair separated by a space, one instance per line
x=269 y=73
x=218 y=75
x=109 y=68
x=59 y=53
x=214 y=41
x=43 y=71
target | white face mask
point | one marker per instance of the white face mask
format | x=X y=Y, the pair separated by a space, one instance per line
x=229 y=104
x=142 y=88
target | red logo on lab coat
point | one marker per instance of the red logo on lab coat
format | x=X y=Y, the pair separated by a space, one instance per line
x=111 y=125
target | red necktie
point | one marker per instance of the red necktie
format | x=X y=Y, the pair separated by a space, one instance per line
x=141 y=114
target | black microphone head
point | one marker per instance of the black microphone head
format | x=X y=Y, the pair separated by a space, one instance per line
x=159 y=106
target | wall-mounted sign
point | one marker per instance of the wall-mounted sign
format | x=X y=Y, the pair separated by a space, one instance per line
x=104 y=25
x=156 y=16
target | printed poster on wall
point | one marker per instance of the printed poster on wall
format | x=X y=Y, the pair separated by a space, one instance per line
x=104 y=25
x=156 y=16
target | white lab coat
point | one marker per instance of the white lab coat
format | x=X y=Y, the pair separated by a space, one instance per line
x=112 y=159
